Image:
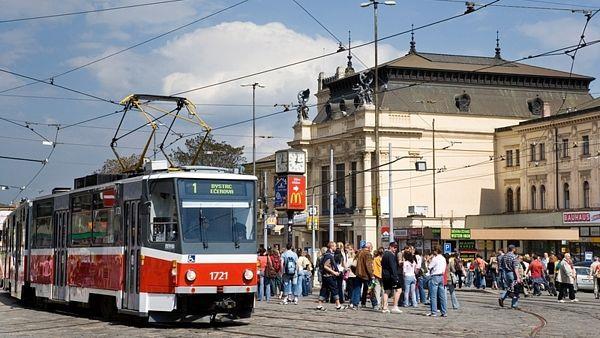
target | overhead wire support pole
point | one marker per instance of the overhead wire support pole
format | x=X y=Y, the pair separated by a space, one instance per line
x=434 y=167
x=253 y=85
x=331 y=187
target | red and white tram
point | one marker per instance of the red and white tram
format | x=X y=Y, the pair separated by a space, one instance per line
x=166 y=245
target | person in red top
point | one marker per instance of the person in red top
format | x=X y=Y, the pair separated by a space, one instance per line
x=536 y=268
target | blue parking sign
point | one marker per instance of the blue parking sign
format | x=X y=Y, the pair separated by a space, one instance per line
x=447 y=248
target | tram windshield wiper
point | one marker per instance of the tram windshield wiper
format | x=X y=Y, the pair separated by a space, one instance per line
x=236 y=235
x=203 y=235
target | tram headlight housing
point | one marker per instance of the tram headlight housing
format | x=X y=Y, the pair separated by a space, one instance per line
x=248 y=274
x=190 y=275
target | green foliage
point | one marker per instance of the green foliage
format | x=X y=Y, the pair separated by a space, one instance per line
x=214 y=153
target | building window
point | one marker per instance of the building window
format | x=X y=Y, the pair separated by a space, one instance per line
x=542 y=151
x=565 y=147
x=586 y=194
x=353 y=186
x=509 y=200
x=518 y=202
x=517 y=157
x=509 y=158
x=585 y=146
x=533 y=197
x=532 y=156
x=325 y=190
x=340 y=188
x=566 y=196
x=542 y=197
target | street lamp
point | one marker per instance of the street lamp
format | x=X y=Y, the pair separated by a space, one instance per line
x=375 y=4
x=253 y=85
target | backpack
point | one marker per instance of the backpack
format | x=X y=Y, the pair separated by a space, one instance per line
x=457 y=265
x=290 y=266
x=270 y=270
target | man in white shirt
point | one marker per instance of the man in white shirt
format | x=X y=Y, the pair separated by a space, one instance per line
x=595 y=274
x=437 y=291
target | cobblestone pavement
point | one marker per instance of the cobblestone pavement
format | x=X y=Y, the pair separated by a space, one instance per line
x=478 y=316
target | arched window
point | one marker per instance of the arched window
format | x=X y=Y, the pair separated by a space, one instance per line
x=533 y=197
x=542 y=197
x=566 y=196
x=509 y=200
x=586 y=194
x=518 y=202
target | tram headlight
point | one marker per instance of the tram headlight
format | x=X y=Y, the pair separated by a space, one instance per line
x=190 y=275
x=248 y=274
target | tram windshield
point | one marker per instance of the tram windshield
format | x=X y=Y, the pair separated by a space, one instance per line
x=216 y=211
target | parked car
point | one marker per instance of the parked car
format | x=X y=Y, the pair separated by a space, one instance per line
x=584 y=281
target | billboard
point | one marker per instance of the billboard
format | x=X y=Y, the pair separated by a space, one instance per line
x=281 y=189
x=296 y=192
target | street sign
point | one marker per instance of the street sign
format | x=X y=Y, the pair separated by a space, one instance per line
x=460 y=233
x=271 y=221
x=589 y=255
x=312 y=220
x=281 y=190
x=296 y=192
x=447 y=248
x=313 y=210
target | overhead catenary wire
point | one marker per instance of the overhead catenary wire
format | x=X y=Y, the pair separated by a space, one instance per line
x=120 y=51
x=572 y=10
x=58 y=15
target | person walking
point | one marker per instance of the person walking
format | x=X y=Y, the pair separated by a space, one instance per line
x=500 y=278
x=272 y=268
x=566 y=275
x=409 y=268
x=423 y=280
x=480 y=271
x=510 y=267
x=493 y=268
x=536 y=271
x=377 y=273
x=289 y=266
x=329 y=273
x=262 y=265
x=304 y=273
x=437 y=292
x=452 y=280
x=390 y=279
x=595 y=274
x=550 y=274
x=364 y=275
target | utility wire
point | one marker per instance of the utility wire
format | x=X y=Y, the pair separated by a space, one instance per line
x=269 y=70
x=49 y=16
x=572 y=10
x=130 y=47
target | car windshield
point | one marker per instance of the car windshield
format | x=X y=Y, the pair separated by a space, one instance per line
x=582 y=271
x=216 y=211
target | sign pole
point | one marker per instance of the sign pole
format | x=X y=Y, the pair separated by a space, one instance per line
x=290 y=225
x=390 y=194
x=331 y=187
x=312 y=227
x=266 y=208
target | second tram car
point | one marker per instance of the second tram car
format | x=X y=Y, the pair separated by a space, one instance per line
x=166 y=245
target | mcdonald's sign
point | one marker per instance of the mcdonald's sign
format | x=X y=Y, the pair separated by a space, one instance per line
x=296 y=193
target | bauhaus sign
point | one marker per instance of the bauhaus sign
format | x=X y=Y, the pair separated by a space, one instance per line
x=296 y=192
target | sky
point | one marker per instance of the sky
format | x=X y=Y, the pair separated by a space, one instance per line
x=245 y=39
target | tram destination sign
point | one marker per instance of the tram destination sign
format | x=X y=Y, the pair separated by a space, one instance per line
x=460 y=233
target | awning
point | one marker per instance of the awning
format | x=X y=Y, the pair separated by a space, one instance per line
x=541 y=234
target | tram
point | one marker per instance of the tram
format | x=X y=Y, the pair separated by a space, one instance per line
x=168 y=245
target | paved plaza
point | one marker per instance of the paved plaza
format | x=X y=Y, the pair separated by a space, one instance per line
x=478 y=316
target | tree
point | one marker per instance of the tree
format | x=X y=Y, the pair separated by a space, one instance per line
x=214 y=153
x=112 y=166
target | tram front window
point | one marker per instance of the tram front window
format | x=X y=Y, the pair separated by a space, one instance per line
x=164 y=211
x=216 y=212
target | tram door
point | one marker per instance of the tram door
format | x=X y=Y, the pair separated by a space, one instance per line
x=17 y=258
x=131 y=295
x=59 y=290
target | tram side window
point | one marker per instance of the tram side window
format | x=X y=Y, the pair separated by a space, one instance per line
x=42 y=235
x=81 y=220
x=164 y=212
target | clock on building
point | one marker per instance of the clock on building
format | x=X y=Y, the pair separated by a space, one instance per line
x=290 y=161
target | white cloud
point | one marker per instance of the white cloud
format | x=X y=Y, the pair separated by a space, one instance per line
x=225 y=51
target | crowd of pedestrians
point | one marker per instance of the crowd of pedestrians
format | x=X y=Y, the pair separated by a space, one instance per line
x=391 y=278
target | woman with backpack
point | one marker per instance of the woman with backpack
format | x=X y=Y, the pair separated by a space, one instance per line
x=272 y=267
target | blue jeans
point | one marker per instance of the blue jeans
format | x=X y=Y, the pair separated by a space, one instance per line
x=453 y=299
x=267 y=281
x=261 y=286
x=480 y=278
x=290 y=285
x=423 y=280
x=410 y=282
x=437 y=292
x=509 y=278
x=356 y=290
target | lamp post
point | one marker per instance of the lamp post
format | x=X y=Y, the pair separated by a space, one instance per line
x=375 y=4
x=253 y=85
